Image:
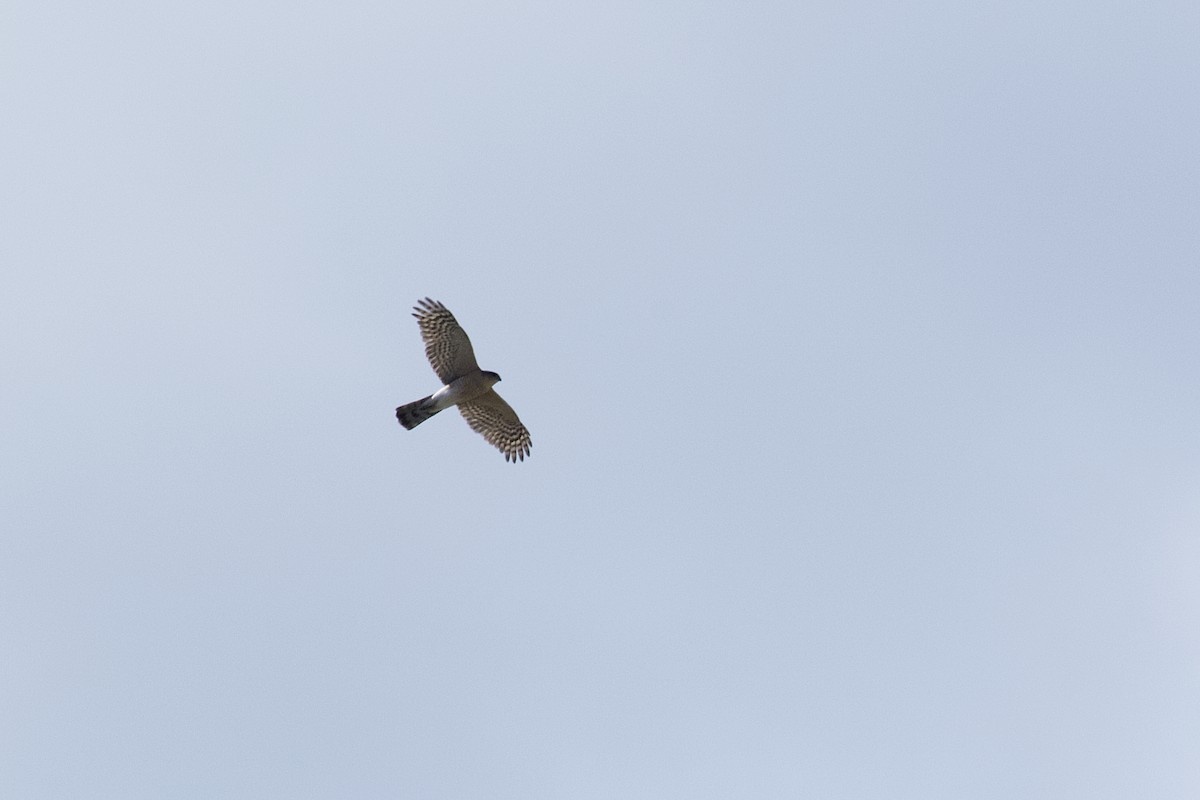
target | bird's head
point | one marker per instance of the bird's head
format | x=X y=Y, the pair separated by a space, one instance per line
x=493 y=377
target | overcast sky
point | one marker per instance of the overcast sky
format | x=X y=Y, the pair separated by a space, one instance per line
x=857 y=340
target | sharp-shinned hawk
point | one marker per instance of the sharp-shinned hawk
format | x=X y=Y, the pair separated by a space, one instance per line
x=466 y=386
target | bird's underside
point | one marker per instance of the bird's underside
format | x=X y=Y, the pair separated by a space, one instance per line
x=465 y=385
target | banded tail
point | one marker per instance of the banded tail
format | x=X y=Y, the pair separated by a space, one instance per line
x=413 y=414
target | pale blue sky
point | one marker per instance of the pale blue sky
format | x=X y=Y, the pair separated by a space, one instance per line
x=858 y=342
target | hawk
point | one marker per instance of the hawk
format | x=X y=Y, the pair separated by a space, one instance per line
x=465 y=385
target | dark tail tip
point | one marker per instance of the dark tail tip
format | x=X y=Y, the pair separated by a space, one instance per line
x=412 y=414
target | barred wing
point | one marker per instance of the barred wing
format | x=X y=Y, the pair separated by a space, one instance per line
x=495 y=420
x=446 y=344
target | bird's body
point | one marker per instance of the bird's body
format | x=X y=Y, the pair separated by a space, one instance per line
x=465 y=385
x=461 y=390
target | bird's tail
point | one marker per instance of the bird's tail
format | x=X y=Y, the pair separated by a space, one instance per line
x=413 y=414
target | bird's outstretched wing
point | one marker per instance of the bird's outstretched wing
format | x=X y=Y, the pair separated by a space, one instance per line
x=446 y=344
x=490 y=416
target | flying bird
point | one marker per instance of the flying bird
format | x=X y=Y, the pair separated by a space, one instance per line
x=465 y=385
